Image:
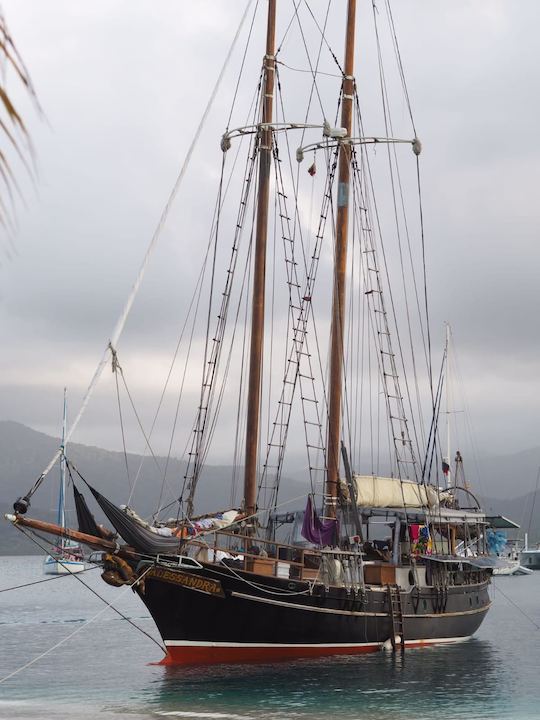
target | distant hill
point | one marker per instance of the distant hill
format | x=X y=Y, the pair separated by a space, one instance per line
x=507 y=481
x=24 y=453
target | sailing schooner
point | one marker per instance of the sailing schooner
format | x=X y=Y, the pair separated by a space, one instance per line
x=226 y=587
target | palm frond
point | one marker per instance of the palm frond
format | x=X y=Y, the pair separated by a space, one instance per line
x=15 y=140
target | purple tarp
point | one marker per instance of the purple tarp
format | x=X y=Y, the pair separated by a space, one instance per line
x=315 y=530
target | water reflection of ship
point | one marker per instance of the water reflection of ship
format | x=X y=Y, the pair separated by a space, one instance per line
x=383 y=685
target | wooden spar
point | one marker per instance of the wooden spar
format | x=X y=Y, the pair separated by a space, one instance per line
x=90 y=540
x=340 y=260
x=257 y=312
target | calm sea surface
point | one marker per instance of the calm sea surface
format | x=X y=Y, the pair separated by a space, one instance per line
x=105 y=669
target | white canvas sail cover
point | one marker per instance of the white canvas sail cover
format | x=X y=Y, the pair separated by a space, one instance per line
x=384 y=492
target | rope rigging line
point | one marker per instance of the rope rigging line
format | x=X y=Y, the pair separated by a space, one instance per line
x=114 y=369
x=398 y=58
x=273 y=255
x=373 y=212
x=47 y=579
x=119 y=327
x=297 y=226
x=314 y=86
x=469 y=428
x=235 y=95
x=193 y=306
x=199 y=442
x=397 y=181
x=310 y=72
x=76 y=576
x=423 y=244
x=432 y=444
x=512 y=602
x=296 y=183
x=312 y=91
x=377 y=321
x=310 y=270
x=118 y=368
x=298 y=343
x=393 y=151
x=220 y=396
x=217 y=211
x=323 y=37
x=241 y=416
x=407 y=98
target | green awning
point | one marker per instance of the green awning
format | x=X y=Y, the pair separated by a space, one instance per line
x=499 y=522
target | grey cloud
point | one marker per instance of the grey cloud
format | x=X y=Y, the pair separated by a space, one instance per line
x=123 y=87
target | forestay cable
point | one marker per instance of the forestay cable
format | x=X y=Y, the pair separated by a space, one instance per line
x=117 y=332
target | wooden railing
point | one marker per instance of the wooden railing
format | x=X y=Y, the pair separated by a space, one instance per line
x=263 y=557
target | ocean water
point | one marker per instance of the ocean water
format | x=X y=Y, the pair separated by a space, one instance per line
x=102 y=667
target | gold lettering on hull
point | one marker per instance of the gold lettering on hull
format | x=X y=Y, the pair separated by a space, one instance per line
x=192 y=582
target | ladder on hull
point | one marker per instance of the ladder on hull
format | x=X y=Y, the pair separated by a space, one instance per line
x=396 y=615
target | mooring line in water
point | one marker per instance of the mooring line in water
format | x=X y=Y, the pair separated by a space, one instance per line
x=529 y=618
x=76 y=576
x=53 y=577
x=77 y=630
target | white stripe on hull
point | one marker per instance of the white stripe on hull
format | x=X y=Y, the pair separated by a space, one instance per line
x=205 y=643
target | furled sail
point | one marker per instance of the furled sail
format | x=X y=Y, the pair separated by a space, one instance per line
x=85 y=520
x=384 y=492
x=139 y=537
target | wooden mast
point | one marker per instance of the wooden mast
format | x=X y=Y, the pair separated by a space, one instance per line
x=340 y=260
x=257 y=316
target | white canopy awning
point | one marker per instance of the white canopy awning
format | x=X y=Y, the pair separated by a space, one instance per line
x=384 y=492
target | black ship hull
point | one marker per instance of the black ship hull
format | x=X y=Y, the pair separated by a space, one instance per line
x=220 y=615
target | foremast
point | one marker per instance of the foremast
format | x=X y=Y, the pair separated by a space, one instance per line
x=258 y=296
x=340 y=265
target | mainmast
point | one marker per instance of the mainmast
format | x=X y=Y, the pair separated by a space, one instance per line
x=257 y=316
x=340 y=262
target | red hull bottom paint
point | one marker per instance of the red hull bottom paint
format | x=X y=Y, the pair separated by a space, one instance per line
x=208 y=655
x=223 y=654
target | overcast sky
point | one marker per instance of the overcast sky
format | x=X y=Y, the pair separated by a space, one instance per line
x=123 y=85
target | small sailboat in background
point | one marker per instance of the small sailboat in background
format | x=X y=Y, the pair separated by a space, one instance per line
x=67 y=556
